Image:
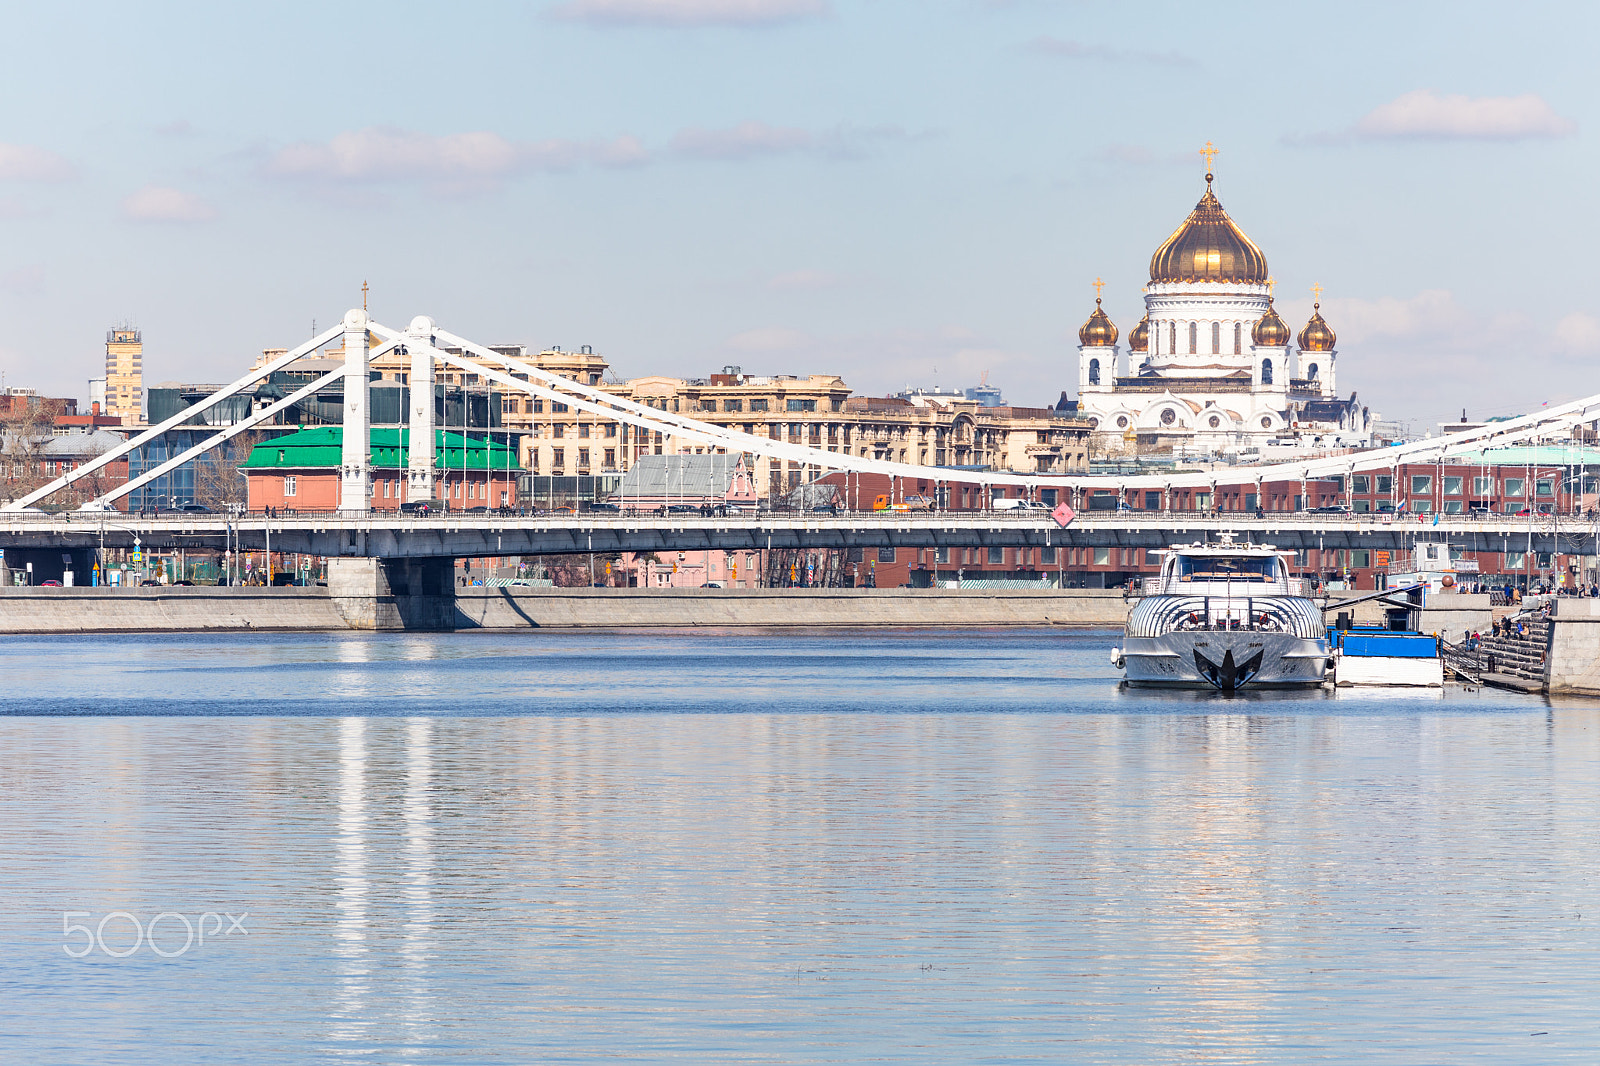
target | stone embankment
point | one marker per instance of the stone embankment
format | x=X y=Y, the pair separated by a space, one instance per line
x=760 y=608
x=374 y=604
x=165 y=609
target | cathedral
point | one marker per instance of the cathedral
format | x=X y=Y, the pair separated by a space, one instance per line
x=1211 y=368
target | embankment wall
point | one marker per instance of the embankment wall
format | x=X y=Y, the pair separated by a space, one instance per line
x=166 y=609
x=1573 y=663
x=573 y=608
x=375 y=604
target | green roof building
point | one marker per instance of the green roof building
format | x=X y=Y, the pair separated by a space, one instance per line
x=390 y=449
x=300 y=472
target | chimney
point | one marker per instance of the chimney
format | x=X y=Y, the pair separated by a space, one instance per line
x=94 y=408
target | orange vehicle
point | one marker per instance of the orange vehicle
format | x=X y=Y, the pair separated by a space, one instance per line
x=910 y=503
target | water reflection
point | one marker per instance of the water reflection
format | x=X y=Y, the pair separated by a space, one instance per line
x=1076 y=875
x=417 y=944
x=350 y=930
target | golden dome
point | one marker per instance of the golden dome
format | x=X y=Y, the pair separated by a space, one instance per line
x=1099 y=331
x=1209 y=247
x=1139 y=339
x=1270 y=331
x=1317 y=336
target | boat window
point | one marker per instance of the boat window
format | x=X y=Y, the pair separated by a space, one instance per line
x=1226 y=568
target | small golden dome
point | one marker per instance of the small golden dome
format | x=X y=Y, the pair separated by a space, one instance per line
x=1270 y=331
x=1139 y=339
x=1099 y=331
x=1209 y=247
x=1317 y=336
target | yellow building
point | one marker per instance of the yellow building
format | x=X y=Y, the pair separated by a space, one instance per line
x=818 y=411
x=125 y=375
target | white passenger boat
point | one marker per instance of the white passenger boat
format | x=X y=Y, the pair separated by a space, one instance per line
x=1224 y=616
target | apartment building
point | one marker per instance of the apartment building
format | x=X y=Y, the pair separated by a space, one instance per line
x=125 y=375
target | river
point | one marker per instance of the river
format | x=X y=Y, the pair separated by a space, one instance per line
x=815 y=847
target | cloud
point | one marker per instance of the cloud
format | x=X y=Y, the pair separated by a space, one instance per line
x=455 y=161
x=1577 y=334
x=743 y=141
x=24 y=162
x=1423 y=114
x=1057 y=48
x=160 y=203
x=751 y=140
x=689 y=13
x=1431 y=312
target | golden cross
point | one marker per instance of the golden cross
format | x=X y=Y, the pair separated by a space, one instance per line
x=1316 y=294
x=1098 y=285
x=1210 y=153
x=1270 y=283
x=363 y=296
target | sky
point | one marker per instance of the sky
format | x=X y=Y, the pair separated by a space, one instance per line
x=895 y=191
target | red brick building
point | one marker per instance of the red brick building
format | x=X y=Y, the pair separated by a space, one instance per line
x=300 y=471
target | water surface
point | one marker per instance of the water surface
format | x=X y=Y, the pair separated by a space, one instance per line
x=793 y=848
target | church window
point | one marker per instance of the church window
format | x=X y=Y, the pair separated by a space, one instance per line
x=1094 y=371
x=1311 y=375
x=1216 y=338
x=1266 y=371
x=1238 y=339
x=1172 y=335
x=1194 y=337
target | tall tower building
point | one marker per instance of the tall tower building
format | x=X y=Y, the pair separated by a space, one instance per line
x=125 y=375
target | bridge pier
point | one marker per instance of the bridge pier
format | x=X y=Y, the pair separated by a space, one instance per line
x=389 y=594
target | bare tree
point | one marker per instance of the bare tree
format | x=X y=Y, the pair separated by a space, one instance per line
x=26 y=425
x=219 y=481
x=568 y=571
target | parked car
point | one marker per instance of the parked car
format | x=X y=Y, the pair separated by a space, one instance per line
x=96 y=505
x=604 y=508
x=194 y=508
x=422 y=507
x=52 y=584
x=1340 y=509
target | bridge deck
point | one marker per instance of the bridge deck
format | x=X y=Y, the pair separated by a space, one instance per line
x=393 y=536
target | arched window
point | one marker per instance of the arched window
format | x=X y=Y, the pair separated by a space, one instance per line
x=1172 y=338
x=1094 y=371
x=1216 y=338
x=1194 y=337
x=1311 y=375
x=1266 y=371
x=1238 y=338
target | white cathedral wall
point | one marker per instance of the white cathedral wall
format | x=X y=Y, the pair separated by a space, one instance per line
x=1174 y=306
